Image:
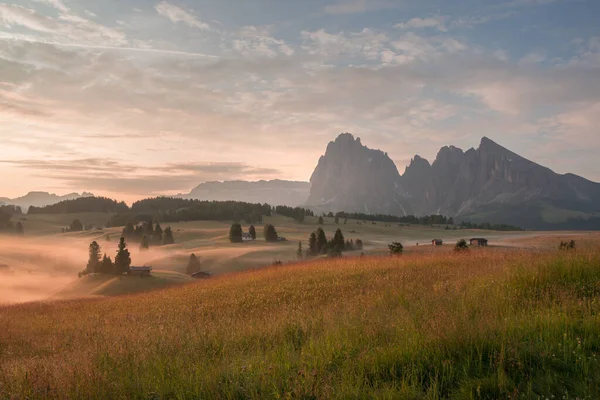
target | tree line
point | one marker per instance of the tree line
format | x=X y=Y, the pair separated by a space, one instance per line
x=169 y=209
x=236 y=233
x=7 y=213
x=82 y=205
x=148 y=234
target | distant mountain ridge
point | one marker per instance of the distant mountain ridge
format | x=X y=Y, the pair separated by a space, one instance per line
x=41 y=199
x=274 y=192
x=490 y=183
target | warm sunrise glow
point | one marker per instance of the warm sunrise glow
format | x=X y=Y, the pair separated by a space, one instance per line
x=132 y=99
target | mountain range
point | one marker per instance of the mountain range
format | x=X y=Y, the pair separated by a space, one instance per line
x=40 y=199
x=487 y=184
x=275 y=192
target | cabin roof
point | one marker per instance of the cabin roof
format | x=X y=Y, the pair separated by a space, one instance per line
x=480 y=239
x=145 y=268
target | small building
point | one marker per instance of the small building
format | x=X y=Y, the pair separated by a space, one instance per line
x=479 y=242
x=281 y=239
x=246 y=237
x=201 y=275
x=437 y=242
x=140 y=271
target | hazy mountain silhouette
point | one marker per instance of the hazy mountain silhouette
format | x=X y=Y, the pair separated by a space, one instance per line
x=41 y=199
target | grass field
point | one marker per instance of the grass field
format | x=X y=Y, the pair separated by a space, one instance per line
x=45 y=262
x=497 y=323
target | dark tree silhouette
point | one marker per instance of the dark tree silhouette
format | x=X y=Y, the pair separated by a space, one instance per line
x=321 y=241
x=93 y=264
x=299 y=253
x=313 y=248
x=270 y=233
x=107 y=266
x=339 y=241
x=168 y=236
x=123 y=258
x=145 y=244
x=235 y=233
x=461 y=245
x=158 y=234
x=396 y=248
x=193 y=265
x=76 y=226
x=252 y=232
x=320 y=221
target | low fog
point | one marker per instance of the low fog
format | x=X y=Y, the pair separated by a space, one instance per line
x=35 y=268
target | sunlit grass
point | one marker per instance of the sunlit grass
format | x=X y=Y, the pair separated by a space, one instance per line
x=489 y=324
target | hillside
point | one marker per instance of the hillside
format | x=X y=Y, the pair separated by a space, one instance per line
x=275 y=192
x=429 y=326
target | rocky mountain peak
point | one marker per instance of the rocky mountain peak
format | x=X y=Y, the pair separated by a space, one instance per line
x=352 y=177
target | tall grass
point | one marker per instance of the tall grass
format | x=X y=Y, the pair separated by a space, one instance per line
x=482 y=325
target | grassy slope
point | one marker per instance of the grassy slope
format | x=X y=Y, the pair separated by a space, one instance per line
x=107 y=285
x=490 y=324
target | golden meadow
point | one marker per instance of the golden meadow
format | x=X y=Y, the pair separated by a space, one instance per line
x=483 y=325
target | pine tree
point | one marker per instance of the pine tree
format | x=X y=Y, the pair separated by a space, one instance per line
x=313 y=248
x=123 y=258
x=299 y=253
x=358 y=245
x=107 y=266
x=158 y=234
x=168 y=236
x=193 y=265
x=93 y=264
x=252 y=232
x=339 y=241
x=320 y=220
x=270 y=233
x=150 y=228
x=235 y=233
x=145 y=244
x=321 y=241
x=129 y=230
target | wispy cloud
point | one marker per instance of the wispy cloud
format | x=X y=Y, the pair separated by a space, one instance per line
x=438 y=23
x=177 y=14
x=360 y=6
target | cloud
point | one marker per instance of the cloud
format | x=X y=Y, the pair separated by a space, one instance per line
x=58 y=4
x=438 y=23
x=12 y=14
x=177 y=14
x=252 y=40
x=122 y=177
x=360 y=6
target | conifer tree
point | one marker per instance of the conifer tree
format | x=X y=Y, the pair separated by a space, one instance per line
x=339 y=241
x=321 y=241
x=168 y=236
x=235 y=233
x=193 y=265
x=107 y=266
x=320 y=220
x=158 y=234
x=145 y=244
x=313 y=248
x=93 y=264
x=123 y=258
x=270 y=233
x=299 y=252
x=252 y=232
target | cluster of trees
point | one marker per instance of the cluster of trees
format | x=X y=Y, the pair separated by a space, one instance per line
x=409 y=219
x=6 y=224
x=148 y=234
x=319 y=244
x=82 y=205
x=104 y=265
x=236 y=233
x=297 y=213
x=490 y=227
x=169 y=209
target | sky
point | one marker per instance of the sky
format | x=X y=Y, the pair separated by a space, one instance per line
x=138 y=98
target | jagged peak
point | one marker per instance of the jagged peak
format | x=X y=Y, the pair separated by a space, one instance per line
x=347 y=138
